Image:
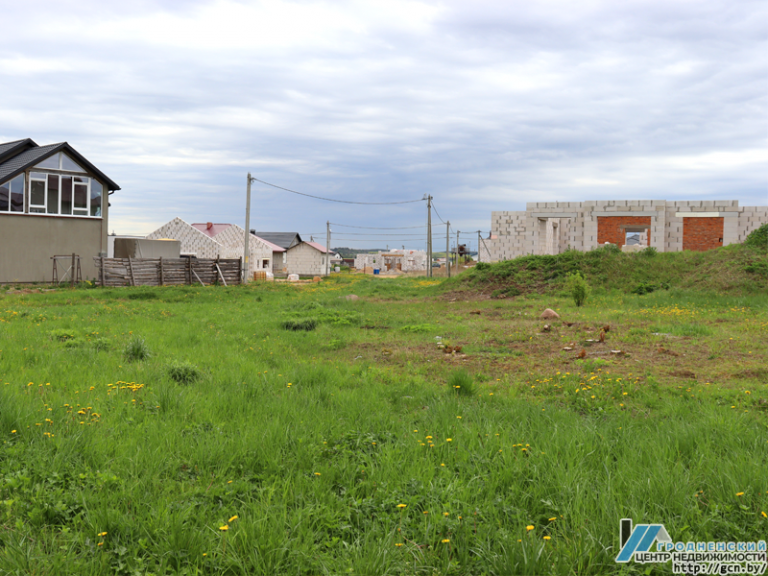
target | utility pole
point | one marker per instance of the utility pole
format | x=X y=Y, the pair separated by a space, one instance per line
x=447 y=247
x=457 y=251
x=247 y=244
x=479 y=239
x=429 y=236
x=327 y=248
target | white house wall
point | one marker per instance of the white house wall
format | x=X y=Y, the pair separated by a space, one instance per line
x=192 y=240
x=305 y=260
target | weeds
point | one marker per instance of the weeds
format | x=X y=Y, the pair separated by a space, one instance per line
x=183 y=372
x=461 y=383
x=136 y=350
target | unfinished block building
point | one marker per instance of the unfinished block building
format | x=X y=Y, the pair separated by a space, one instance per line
x=553 y=227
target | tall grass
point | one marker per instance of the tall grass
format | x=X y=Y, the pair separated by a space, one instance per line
x=110 y=466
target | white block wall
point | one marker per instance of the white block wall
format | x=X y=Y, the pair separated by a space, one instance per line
x=521 y=233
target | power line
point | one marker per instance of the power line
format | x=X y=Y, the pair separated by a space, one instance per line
x=374 y=228
x=436 y=212
x=376 y=234
x=333 y=200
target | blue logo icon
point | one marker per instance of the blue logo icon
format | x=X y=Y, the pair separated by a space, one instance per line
x=640 y=539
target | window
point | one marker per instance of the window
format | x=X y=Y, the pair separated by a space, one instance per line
x=60 y=161
x=285 y=257
x=12 y=195
x=265 y=263
x=65 y=195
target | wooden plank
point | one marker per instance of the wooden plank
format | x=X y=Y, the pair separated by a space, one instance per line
x=133 y=283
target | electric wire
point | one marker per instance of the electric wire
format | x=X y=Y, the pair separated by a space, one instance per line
x=334 y=200
x=375 y=228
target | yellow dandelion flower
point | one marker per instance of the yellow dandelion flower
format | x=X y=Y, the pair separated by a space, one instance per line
x=232 y=519
x=739 y=493
x=553 y=519
x=398 y=544
x=449 y=439
x=445 y=540
x=13 y=431
x=224 y=528
x=547 y=537
x=446 y=514
x=317 y=473
x=529 y=527
x=101 y=534
x=426 y=512
x=402 y=505
x=764 y=514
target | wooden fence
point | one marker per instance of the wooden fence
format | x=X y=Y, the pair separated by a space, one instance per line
x=168 y=271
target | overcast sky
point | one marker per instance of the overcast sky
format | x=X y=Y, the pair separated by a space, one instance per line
x=485 y=105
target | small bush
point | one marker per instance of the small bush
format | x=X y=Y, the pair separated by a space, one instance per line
x=142 y=295
x=648 y=287
x=461 y=383
x=101 y=344
x=578 y=288
x=136 y=349
x=482 y=266
x=758 y=238
x=62 y=334
x=649 y=252
x=759 y=268
x=417 y=328
x=183 y=372
x=76 y=342
x=611 y=249
x=305 y=324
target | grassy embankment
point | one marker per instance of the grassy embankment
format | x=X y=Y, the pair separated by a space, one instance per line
x=114 y=463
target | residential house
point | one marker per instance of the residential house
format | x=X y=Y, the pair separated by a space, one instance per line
x=53 y=201
x=209 y=240
x=284 y=241
x=308 y=259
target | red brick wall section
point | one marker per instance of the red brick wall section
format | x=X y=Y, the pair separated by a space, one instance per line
x=702 y=234
x=609 y=228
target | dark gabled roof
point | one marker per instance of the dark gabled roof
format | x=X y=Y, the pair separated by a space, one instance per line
x=8 y=149
x=15 y=157
x=282 y=239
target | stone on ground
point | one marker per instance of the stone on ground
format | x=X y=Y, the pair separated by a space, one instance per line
x=549 y=314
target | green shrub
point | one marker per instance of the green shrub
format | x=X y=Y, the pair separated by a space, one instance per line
x=101 y=344
x=648 y=287
x=298 y=324
x=649 y=252
x=577 y=286
x=482 y=266
x=142 y=294
x=461 y=383
x=62 y=334
x=417 y=328
x=758 y=238
x=759 y=268
x=183 y=372
x=136 y=349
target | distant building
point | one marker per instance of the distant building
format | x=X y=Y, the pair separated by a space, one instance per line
x=308 y=259
x=403 y=260
x=553 y=227
x=209 y=240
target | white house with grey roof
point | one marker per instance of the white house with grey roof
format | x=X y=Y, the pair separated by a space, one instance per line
x=53 y=201
x=209 y=240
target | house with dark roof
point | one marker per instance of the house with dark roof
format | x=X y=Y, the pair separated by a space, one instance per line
x=286 y=241
x=53 y=201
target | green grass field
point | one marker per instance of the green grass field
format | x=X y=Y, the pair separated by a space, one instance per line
x=278 y=429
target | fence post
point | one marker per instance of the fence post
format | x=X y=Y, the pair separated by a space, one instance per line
x=102 y=272
x=189 y=271
x=162 y=280
x=72 y=270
